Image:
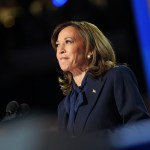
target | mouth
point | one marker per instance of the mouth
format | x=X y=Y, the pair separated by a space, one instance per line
x=63 y=58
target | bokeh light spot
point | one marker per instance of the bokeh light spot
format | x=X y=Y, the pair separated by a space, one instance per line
x=59 y=3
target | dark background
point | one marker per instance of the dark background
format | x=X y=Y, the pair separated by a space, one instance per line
x=29 y=69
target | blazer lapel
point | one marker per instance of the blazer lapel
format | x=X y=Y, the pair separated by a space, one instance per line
x=93 y=89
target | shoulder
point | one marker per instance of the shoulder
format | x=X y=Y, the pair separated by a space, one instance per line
x=122 y=73
x=120 y=70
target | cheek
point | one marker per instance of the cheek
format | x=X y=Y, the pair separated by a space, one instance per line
x=80 y=56
x=81 y=60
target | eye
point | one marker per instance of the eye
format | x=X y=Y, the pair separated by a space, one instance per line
x=69 y=41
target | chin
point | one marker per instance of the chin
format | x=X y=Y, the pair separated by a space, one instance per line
x=65 y=69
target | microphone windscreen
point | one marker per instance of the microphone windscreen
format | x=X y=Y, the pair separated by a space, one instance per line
x=12 y=110
x=25 y=109
x=12 y=107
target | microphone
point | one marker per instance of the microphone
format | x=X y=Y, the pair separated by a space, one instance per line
x=25 y=109
x=14 y=110
x=12 y=107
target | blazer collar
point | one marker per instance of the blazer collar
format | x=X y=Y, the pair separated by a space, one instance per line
x=93 y=89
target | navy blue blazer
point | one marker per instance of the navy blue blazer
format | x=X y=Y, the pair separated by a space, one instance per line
x=111 y=100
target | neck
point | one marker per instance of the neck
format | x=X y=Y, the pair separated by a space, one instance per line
x=78 y=78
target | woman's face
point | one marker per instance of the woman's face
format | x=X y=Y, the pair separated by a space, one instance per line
x=70 y=50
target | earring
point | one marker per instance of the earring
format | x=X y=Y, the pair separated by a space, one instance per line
x=88 y=56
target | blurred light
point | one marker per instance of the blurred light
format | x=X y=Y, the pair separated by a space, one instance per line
x=9 y=22
x=59 y=3
x=141 y=11
x=149 y=7
x=7 y=16
x=35 y=8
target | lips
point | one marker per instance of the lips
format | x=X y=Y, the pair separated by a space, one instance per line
x=63 y=58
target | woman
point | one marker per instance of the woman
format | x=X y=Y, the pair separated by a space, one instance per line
x=99 y=94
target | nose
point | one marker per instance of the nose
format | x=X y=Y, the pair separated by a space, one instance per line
x=61 y=49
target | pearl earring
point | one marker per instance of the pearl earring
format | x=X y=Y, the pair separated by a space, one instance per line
x=88 y=56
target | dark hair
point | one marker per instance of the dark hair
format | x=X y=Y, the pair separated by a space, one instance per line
x=103 y=57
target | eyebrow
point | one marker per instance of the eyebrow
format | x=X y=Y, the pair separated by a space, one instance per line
x=66 y=38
